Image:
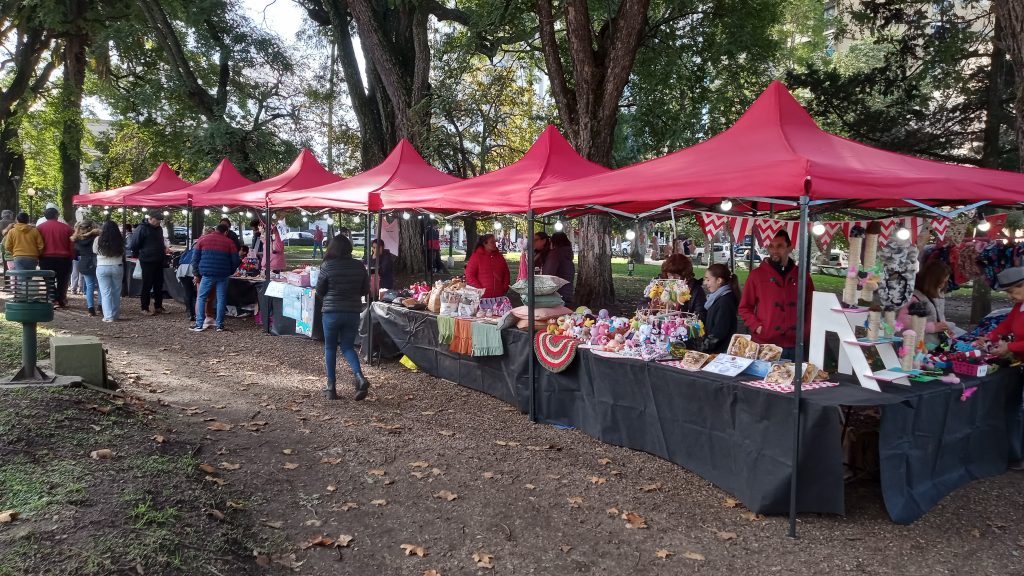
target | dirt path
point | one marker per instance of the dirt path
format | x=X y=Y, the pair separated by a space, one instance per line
x=427 y=463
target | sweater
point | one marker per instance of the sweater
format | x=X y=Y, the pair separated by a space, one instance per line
x=57 y=238
x=488 y=270
x=558 y=262
x=342 y=284
x=721 y=323
x=102 y=260
x=1009 y=328
x=24 y=241
x=215 y=255
x=769 y=302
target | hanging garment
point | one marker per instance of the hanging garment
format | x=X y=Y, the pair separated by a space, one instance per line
x=462 y=337
x=487 y=340
x=390 y=235
x=445 y=328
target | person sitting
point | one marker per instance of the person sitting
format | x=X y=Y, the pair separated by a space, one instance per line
x=723 y=300
x=558 y=262
x=930 y=292
x=487 y=268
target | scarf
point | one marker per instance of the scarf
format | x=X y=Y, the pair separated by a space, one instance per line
x=722 y=290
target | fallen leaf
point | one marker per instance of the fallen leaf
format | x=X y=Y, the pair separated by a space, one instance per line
x=378 y=472
x=693 y=556
x=488 y=475
x=565 y=548
x=531 y=487
x=446 y=495
x=634 y=520
x=575 y=501
x=229 y=466
x=431 y=573
x=8 y=516
x=612 y=511
x=217 y=481
x=428 y=413
x=220 y=427
x=313 y=522
x=651 y=487
x=411 y=549
x=483 y=560
x=446 y=433
x=419 y=475
x=347 y=506
x=288 y=451
x=663 y=554
x=420 y=464
x=158 y=439
x=380 y=502
x=436 y=471
x=102 y=454
x=751 y=516
x=235 y=505
x=344 y=540
x=604 y=461
x=731 y=503
x=976 y=533
x=289 y=466
x=726 y=535
x=218 y=406
x=215 y=513
x=207 y=468
x=597 y=480
x=331 y=461
x=318 y=541
x=276 y=524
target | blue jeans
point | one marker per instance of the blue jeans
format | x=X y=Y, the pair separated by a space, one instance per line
x=318 y=247
x=205 y=285
x=109 y=279
x=341 y=329
x=89 y=286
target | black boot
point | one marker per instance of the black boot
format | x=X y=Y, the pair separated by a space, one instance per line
x=329 y=392
x=362 y=387
x=92 y=311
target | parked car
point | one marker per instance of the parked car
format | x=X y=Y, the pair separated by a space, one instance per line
x=719 y=253
x=298 y=238
x=622 y=249
x=180 y=234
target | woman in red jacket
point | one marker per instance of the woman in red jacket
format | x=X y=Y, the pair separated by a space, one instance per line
x=487 y=268
x=1004 y=339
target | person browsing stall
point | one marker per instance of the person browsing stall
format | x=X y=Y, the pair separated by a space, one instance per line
x=930 y=292
x=1007 y=339
x=341 y=286
x=109 y=249
x=214 y=259
x=769 y=302
x=487 y=268
x=723 y=296
x=147 y=244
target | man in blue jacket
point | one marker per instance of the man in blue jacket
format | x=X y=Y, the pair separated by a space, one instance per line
x=214 y=259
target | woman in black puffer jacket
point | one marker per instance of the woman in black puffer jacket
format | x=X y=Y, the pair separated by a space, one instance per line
x=342 y=283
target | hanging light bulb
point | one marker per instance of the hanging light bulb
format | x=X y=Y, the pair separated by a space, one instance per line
x=903 y=234
x=630 y=235
x=818 y=229
x=559 y=226
x=167 y=212
x=206 y=211
x=1018 y=233
x=983 y=224
x=497 y=225
x=223 y=208
x=726 y=205
x=447 y=227
x=248 y=214
x=106 y=212
x=305 y=218
x=405 y=215
x=184 y=212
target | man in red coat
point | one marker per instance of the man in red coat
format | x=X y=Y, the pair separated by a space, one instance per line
x=58 y=254
x=769 y=302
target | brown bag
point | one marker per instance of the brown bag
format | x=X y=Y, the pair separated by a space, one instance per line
x=434 y=299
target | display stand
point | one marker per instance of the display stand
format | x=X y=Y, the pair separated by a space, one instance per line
x=827 y=315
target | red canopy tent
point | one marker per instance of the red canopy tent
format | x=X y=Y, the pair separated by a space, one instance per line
x=404 y=169
x=772 y=152
x=550 y=160
x=225 y=177
x=305 y=172
x=163 y=179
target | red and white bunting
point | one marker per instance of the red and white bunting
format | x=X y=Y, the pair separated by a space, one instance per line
x=711 y=223
x=830 y=231
x=740 y=226
x=766 y=229
x=939 y=226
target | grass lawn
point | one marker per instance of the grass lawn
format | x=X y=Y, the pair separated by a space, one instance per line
x=10 y=346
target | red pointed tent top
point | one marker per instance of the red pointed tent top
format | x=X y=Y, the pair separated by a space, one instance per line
x=550 y=160
x=163 y=179
x=223 y=178
x=304 y=172
x=403 y=169
x=770 y=152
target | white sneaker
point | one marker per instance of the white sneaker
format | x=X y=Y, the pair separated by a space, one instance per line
x=209 y=322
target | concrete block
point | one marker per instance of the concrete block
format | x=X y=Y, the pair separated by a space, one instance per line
x=81 y=356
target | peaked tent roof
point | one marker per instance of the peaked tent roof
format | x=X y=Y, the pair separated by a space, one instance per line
x=550 y=160
x=304 y=172
x=403 y=169
x=223 y=178
x=770 y=152
x=163 y=179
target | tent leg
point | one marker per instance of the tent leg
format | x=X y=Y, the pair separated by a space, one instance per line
x=801 y=313
x=753 y=244
x=368 y=344
x=267 y=247
x=530 y=312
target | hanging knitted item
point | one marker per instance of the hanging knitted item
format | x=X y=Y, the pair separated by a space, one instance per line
x=899 y=269
x=555 y=352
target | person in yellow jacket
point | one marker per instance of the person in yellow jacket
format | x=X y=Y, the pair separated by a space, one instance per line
x=24 y=243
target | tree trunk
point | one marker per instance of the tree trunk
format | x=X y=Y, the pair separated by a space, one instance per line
x=1010 y=40
x=70 y=145
x=12 y=166
x=469 y=225
x=594 y=286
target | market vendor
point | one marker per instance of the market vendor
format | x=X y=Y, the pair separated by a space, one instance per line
x=1003 y=340
x=383 y=263
x=487 y=268
x=723 y=294
x=930 y=292
x=680 y=267
x=769 y=303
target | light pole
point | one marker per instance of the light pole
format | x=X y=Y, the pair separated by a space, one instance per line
x=31 y=192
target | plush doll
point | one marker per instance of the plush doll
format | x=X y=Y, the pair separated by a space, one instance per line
x=552 y=326
x=603 y=314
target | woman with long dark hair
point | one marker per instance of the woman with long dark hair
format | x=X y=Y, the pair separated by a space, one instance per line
x=723 y=290
x=109 y=249
x=342 y=284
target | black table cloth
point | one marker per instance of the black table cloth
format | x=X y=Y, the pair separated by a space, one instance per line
x=740 y=437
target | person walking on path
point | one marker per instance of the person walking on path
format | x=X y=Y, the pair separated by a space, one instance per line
x=487 y=268
x=214 y=259
x=84 y=236
x=769 y=302
x=147 y=244
x=57 y=254
x=342 y=284
x=109 y=249
x=318 y=241
x=24 y=243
